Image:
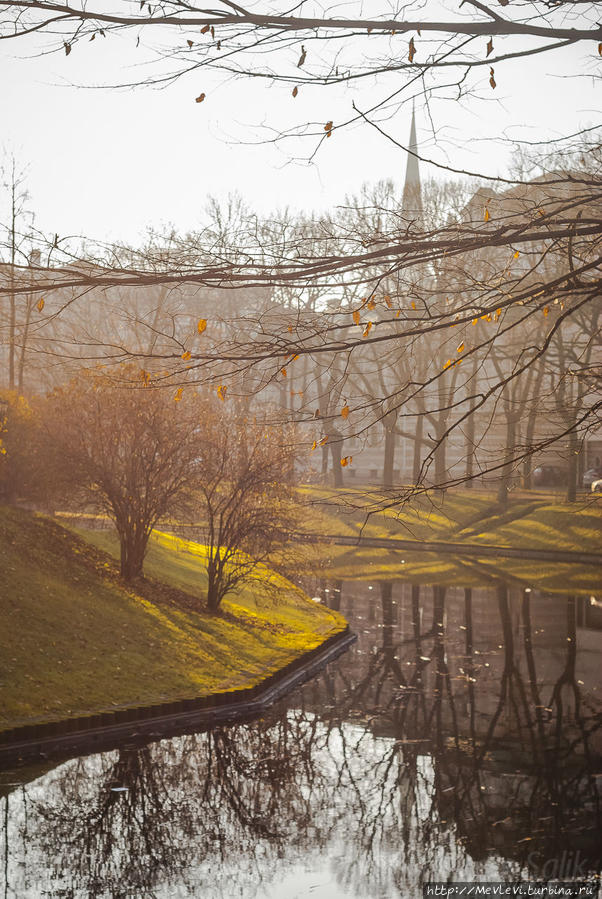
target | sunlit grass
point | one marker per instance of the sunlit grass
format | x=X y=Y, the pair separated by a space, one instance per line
x=75 y=639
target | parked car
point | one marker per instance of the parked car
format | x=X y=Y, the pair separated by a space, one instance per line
x=549 y=476
x=597 y=486
x=593 y=474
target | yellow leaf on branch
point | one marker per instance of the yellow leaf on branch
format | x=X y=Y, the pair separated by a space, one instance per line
x=345 y=412
x=201 y=325
x=346 y=460
x=186 y=356
x=178 y=394
x=40 y=304
x=356 y=317
x=221 y=392
x=367 y=329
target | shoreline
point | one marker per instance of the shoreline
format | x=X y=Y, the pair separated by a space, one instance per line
x=86 y=734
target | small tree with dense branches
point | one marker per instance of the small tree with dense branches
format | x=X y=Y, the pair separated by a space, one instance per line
x=130 y=450
x=246 y=497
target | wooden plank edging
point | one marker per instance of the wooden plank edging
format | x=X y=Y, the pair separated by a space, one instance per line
x=104 y=730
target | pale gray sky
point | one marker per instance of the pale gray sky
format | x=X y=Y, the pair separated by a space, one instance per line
x=108 y=164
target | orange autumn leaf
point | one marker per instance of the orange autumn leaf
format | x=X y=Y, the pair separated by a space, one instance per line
x=221 y=392
x=388 y=302
x=346 y=460
x=546 y=310
x=201 y=325
x=345 y=412
x=40 y=304
x=356 y=317
x=371 y=304
x=367 y=329
x=461 y=348
x=413 y=304
x=323 y=441
x=186 y=356
x=178 y=394
x=283 y=372
x=314 y=446
x=486 y=216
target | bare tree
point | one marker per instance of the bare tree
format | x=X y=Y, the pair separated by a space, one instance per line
x=124 y=446
x=245 y=494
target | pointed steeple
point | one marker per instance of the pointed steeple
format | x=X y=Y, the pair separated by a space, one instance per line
x=412 y=194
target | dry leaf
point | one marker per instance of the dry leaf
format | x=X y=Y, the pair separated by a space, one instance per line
x=201 y=325
x=345 y=412
x=412 y=50
x=200 y=98
x=186 y=356
x=40 y=304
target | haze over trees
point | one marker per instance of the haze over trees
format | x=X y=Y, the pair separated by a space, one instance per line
x=459 y=323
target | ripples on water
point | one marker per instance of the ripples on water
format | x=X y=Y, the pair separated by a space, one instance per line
x=459 y=739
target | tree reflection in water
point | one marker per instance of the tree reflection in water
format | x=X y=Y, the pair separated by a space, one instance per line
x=456 y=741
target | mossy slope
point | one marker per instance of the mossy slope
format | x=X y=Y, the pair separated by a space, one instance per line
x=74 y=639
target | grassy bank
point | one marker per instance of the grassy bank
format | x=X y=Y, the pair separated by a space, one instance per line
x=466 y=517
x=74 y=639
x=462 y=516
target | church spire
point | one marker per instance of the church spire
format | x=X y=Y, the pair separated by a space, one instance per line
x=412 y=193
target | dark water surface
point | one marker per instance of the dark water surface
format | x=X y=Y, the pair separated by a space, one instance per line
x=459 y=739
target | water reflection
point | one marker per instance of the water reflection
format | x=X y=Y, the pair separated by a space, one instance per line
x=460 y=739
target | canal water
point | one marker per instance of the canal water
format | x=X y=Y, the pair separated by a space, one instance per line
x=459 y=739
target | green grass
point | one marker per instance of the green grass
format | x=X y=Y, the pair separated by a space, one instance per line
x=75 y=639
x=460 y=516
x=365 y=563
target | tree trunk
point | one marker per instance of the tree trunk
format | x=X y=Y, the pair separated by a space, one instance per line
x=389 y=453
x=571 y=493
x=133 y=550
x=417 y=449
x=440 y=460
x=335 y=441
x=504 y=485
